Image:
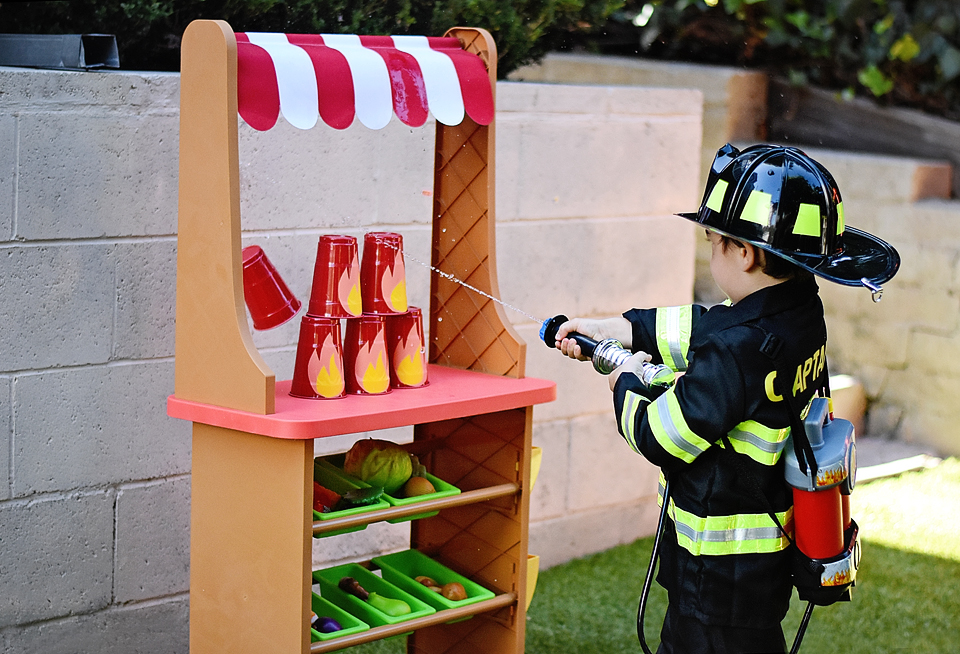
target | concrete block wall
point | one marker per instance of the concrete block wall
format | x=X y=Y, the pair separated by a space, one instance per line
x=94 y=477
x=903 y=349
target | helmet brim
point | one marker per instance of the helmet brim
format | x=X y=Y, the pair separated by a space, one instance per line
x=864 y=257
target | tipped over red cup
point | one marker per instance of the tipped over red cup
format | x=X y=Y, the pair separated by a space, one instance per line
x=269 y=300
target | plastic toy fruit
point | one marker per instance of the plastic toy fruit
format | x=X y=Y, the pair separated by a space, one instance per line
x=426 y=581
x=379 y=463
x=418 y=486
x=454 y=591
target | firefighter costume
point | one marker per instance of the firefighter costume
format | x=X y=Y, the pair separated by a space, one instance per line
x=720 y=431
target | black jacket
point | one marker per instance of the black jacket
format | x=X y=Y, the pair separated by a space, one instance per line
x=724 y=561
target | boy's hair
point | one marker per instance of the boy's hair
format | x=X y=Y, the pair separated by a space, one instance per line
x=771 y=265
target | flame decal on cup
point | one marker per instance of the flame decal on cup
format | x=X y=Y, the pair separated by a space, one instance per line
x=365 y=355
x=383 y=283
x=407 y=349
x=326 y=378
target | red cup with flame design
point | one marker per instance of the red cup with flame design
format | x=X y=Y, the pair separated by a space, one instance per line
x=408 y=352
x=365 y=355
x=336 y=278
x=268 y=298
x=383 y=283
x=318 y=371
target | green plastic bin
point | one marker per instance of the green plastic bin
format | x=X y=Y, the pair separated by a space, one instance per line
x=340 y=484
x=328 y=579
x=351 y=624
x=443 y=489
x=402 y=569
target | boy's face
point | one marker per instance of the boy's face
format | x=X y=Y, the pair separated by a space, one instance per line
x=725 y=265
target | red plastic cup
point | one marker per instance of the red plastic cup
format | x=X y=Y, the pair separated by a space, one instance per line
x=318 y=371
x=268 y=299
x=365 y=355
x=383 y=283
x=336 y=278
x=408 y=352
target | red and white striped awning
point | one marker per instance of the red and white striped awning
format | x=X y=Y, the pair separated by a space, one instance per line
x=337 y=77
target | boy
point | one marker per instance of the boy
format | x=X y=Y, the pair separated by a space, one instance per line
x=774 y=219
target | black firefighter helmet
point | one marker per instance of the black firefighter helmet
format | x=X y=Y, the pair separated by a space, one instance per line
x=779 y=199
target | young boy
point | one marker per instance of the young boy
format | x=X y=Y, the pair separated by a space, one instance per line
x=774 y=219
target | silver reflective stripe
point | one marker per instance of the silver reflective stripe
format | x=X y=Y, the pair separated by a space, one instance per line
x=756 y=441
x=673 y=335
x=663 y=417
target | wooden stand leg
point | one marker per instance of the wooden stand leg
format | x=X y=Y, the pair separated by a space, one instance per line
x=250 y=543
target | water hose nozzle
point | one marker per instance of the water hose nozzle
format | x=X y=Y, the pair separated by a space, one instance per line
x=606 y=355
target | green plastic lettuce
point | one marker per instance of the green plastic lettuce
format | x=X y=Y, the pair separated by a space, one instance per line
x=379 y=463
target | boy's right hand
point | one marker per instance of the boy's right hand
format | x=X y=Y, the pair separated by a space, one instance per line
x=618 y=328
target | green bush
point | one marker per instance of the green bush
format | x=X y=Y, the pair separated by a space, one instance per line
x=148 y=31
x=904 y=52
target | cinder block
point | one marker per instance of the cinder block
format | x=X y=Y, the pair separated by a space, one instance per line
x=885 y=178
x=59 y=305
x=153 y=540
x=99 y=425
x=291 y=178
x=88 y=175
x=146 y=299
x=125 y=92
x=594 y=268
x=582 y=159
x=935 y=355
x=548 y=499
x=57 y=557
x=154 y=628
x=8 y=174
x=604 y=471
x=6 y=434
x=578 y=534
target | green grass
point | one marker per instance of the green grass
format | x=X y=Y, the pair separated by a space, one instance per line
x=907 y=597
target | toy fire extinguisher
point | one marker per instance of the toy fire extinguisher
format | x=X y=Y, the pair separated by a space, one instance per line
x=826 y=537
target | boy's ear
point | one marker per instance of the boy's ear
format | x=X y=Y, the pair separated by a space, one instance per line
x=750 y=257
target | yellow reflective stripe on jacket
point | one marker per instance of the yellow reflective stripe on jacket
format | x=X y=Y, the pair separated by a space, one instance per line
x=747 y=533
x=632 y=403
x=762 y=444
x=673 y=335
x=671 y=430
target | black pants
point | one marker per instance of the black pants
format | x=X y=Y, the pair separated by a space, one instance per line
x=683 y=635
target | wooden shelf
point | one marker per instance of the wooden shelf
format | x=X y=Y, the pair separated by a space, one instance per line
x=467 y=497
x=440 y=617
x=451 y=393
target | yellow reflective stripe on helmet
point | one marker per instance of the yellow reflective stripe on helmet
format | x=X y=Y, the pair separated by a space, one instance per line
x=758 y=209
x=808 y=220
x=762 y=444
x=745 y=533
x=671 y=430
x=840 y=222
x=715 y=201
x=674 y=325
x=632 y=403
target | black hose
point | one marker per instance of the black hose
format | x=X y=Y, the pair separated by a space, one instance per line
x=645 y=593
x=803 y=628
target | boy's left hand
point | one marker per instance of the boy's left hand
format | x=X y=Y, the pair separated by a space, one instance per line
x=634 y=364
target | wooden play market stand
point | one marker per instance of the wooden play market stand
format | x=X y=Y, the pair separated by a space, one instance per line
x=252 y=477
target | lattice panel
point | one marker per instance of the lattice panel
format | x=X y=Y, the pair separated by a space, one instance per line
x=486 y=542
x=468 y=330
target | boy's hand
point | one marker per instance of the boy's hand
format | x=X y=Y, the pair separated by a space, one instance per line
x=618 y=328
x=634 y=364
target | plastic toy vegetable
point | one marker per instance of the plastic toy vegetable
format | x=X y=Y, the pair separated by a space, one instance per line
x=387 y=605
x=359 y=497
x=454 y=591
x=379 y=463
x=326 y=625
x=324 y=499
